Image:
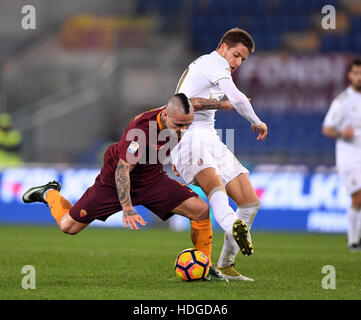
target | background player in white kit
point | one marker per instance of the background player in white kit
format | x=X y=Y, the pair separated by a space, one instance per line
x=343 y=123
x=203 y=159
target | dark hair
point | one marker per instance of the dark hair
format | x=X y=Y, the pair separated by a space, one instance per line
x=355 y=62
x=236 y=35
x=185 y=102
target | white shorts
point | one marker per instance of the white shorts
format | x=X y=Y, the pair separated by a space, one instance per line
x=201 y=149
x=351 y=178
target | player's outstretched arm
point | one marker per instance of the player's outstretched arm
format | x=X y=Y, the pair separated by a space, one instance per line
x=243 y=106
x=122 y=182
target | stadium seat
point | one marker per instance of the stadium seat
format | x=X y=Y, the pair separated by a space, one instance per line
x=356 y=25
x=260 y=40
x=284 y=139
x=272 y=41
x=355 y=41
x=344 y=44
x=338 y=43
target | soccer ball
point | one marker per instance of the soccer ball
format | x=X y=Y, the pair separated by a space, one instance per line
x=191 y=264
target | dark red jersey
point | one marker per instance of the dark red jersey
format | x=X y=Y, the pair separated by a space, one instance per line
x=139 y=146
x=150 y=186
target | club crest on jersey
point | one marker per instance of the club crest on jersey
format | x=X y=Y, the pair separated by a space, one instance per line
x=133 y=147
x=83 y=213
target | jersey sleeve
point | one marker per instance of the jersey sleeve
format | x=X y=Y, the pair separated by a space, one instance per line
x=239 y=101
x=334 y=116
x=132 y=145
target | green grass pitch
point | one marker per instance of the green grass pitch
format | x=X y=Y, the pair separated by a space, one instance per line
x=122 y=264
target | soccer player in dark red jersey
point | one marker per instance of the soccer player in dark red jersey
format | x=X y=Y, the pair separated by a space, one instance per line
x=132 y=174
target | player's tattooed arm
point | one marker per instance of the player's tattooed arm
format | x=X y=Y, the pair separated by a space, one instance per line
x=200 y=104
x=122 y=182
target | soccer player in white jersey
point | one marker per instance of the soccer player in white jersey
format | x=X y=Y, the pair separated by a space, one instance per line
x=201 y=157
x=343 y=123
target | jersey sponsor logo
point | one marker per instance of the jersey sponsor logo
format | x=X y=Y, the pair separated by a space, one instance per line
x=133 y=147
x=83 y=213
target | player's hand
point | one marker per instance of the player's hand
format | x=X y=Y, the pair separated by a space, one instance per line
x=131 y=218
x=174 y=169
x=348 y=133
x=262 y=131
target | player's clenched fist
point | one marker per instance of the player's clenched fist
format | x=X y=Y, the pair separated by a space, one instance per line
x=131 y=218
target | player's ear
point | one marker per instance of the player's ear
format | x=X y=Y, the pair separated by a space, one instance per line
x=222 y=48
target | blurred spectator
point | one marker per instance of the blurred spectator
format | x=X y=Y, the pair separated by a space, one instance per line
x=10 y=142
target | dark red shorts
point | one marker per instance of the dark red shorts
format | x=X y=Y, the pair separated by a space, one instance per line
x=101 y=201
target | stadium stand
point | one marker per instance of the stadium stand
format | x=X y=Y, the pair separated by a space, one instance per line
x=99 y=68
x=271 y=23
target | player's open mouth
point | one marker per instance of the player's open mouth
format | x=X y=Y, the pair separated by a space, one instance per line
x=233 y=68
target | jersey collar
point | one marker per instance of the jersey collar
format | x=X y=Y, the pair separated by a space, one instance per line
x=353 y=92
x=216 y=54
x=160 y=126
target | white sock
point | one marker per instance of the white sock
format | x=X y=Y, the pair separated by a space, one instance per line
x=230 y=249
x=353 y=226
x=248 y=211
x=45 y=193
x=222 y=211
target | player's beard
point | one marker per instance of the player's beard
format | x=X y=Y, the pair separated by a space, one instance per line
x=357 y=87
x=356 y=84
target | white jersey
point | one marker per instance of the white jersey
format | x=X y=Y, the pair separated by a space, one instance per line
x=346 y=110
x=200 y=146
x=200 y=80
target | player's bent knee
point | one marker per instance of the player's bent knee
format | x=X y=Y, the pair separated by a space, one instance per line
x=68 y=229
x=67 y=226
x=193 y=208
x=208 y=179
x=201 y=211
